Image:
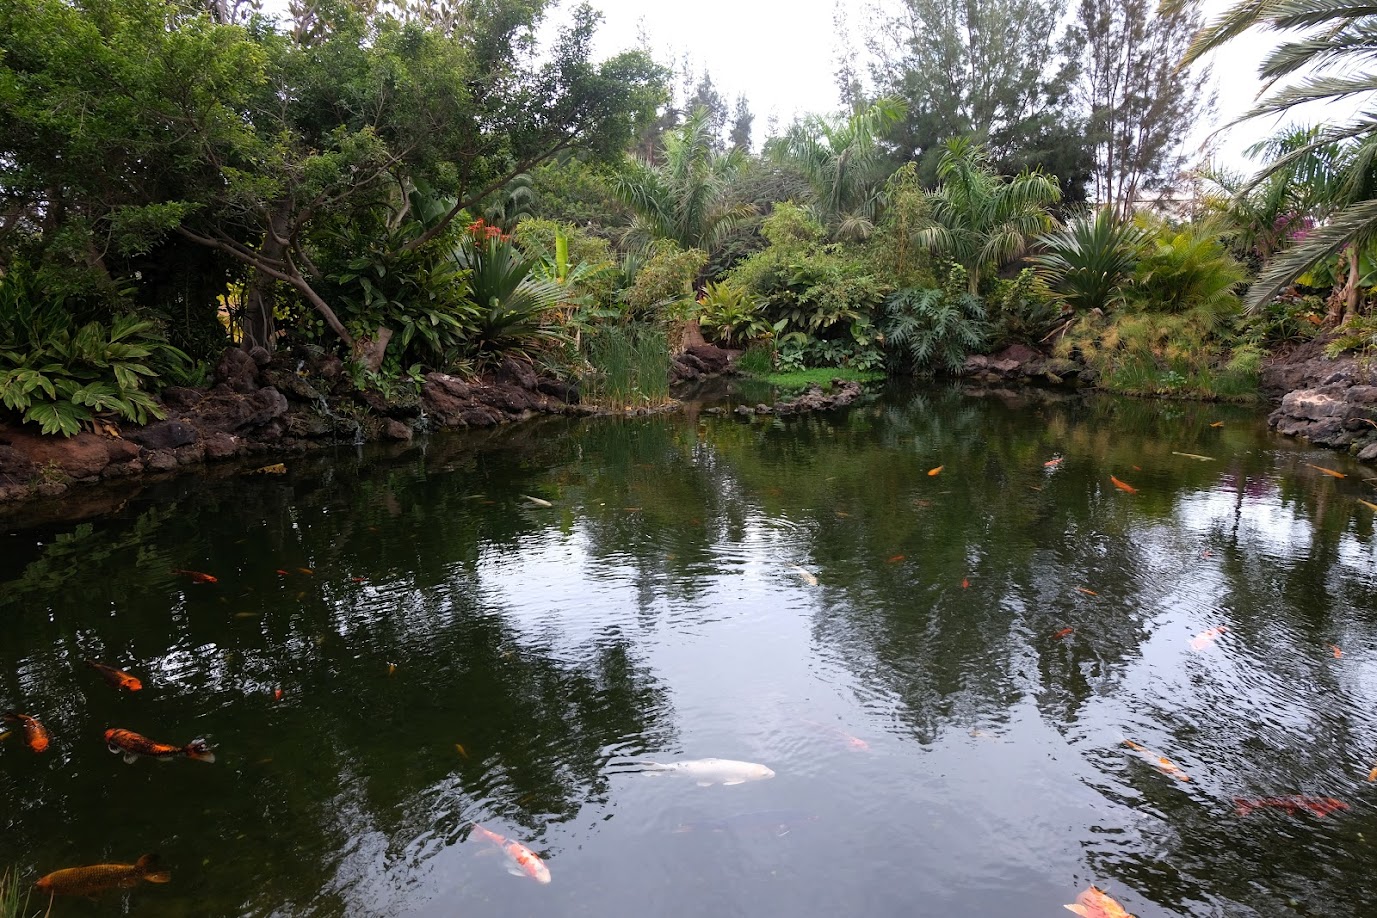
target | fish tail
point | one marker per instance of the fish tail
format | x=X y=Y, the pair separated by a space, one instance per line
x=11 y=717
x=199 y=750
x=151 y=871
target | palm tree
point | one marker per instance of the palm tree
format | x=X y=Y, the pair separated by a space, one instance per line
x=981 y=220
x=686 y=197
x=843 y=161
x=1332 y=43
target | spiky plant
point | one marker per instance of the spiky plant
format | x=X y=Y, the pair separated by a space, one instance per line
x=1089 y=260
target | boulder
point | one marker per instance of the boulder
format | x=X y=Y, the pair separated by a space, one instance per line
x=237 y=370
x=120 y=452
x=81 y=456
x=221 y=445
x=517 y=373
x=711 y=359
x=396 y=430
x=163 y=435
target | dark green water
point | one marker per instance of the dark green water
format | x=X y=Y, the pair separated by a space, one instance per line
x=938 y=749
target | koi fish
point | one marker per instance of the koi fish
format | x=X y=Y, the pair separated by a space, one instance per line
x=459 y=748
x=1368 y=504
x=116 y=678
x=305 y=570
x=1330 y=472
x=937 y=471
x=895 y=560
x=1160 y=762
x=1123 y=486
x=1217 y=424
x=392 y=669
x=35 y=734
x=1206 y=638
x=708 y=772
x=1337 y=652
x=282 y=573
x=965 y=583
x=1052 y=463
x=1095 y=903
x=1195 y=456
x=1294 y=805
x=197 y=576
x=855 y=742
x=1372 y=775
x=536 y=501
x=132 y=745
x=804 y=575
x=1086 y=592
x=524 y=861
x=359 y=579
x=87 y=881
x=277 y=694
x=1065 y=632
x=276 y=469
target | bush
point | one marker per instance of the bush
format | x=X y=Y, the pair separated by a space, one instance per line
x=663 y=282
x=1186 y=268
x=513 y=301
x=931 y=329
x=60 y=376
x=732 y=315
x=584 y=265
x=1089 y=260
x=758 y=359
x=1024 y=310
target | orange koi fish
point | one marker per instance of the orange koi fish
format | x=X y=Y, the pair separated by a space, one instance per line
x=277 y=694
x=1052 y=463
x=965 y=584
x=895 y=560
x=305 y=570
x=133 y=745
x=117 y=678
x=1160 y=762
x=1065 y=632
x=282 y=573
x=1123 y=486
x=359 y=579
x=936 y=471
x=1330 y=472
x=1095 y=903
x=197 y=576
x=1368 y=504
x=1206 y=638
x=1217 y=424
x=855 y=742
x=1293 y=805
x=1372 y=775
x=524 y=861
x=35 y=734
x=87 y=881
x=1337 y=652
x=1086 y=592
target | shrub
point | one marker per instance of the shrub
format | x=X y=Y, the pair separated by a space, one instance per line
x=1186 y=268
x=59 y=376
x=1024 y=309
x=512 y=301
x=1089 y=260
x=930 y=329
x=758 y=359
x=663 y=281
x=732 y=315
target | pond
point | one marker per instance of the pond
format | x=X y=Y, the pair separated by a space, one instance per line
x=943 y=669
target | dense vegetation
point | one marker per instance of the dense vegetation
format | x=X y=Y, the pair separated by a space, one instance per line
x=423 y=186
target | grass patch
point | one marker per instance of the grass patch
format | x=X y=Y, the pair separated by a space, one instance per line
x=757 y=360
x=630 y=368
x=823 y=376
x=13 y=904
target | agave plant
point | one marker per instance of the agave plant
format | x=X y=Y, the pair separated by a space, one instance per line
x=513 y=299
x=1089 y=260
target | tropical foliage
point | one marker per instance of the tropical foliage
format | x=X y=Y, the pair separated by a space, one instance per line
x=1088 y=260
x=934 y=329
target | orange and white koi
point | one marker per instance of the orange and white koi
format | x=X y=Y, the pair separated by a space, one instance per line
x=1052 y=463
x=133 y=745
x=1096 y=903
x=87 y=881
x=117 y=678
x=1206 y=638
x=197 y=576
x=854 y=742
x=1065 y=632
x=1160 y=762
x=524 y=861
x=1123 y=485
x=35 y=734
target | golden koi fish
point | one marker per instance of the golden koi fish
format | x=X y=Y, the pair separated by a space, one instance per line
x=1096 y=903
x=87 y=881
x=133 y=745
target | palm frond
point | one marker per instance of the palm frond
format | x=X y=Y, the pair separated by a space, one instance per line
x=1357 y=221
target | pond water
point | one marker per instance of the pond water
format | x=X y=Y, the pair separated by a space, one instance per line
x=941 y=670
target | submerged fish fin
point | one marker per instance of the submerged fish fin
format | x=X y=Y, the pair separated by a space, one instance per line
x=199 y=750
x=114 y=750
x=152 y=872
x=129 y=758
x=737 y=781
x=515 y=870
x=1078 y=909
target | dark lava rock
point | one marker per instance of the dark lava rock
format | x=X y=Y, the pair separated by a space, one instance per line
x=291 y=384
x=396 y=430
x=237 y=370
x=120 y=452
x=517 y=373
x=179 y=398
x=161 y=461
x=221 y=445
x=81 y=456
x=560 y=390
x=163 y=435
x=228 y=412
x=709 y=357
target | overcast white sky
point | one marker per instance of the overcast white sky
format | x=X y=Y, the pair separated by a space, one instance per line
x=780 y=53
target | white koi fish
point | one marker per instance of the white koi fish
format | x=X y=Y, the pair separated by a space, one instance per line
x=713 y=771
x=805 y=575
x=536 y=501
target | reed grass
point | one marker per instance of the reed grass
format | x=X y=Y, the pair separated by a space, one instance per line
x=630 y=367
x=13 y=902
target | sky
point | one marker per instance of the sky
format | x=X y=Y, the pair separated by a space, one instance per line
x=781 y=54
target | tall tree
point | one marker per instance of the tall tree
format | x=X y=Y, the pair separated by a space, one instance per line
x=685 y=197
x=1327 y=57
x=706 y=97
x=742 y=120
x=845 y=163
x=1140 y=106
x=987 y=69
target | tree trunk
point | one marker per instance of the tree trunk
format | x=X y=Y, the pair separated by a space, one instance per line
x=369 y=352
x=259 y=326
x=1351 y=287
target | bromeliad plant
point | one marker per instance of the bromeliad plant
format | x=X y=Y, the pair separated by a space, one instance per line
x=59 y=376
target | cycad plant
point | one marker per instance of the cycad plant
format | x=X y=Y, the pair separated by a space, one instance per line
x=1089 y=260
x=512 y=299
x=845 y=164
x=1187 y=268
x=979 y=219
x=686 y=197
x=1328 y=57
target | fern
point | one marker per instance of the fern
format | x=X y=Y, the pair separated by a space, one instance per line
x=935 y=329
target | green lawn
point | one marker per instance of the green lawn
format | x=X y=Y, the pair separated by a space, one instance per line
x=800 y=379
